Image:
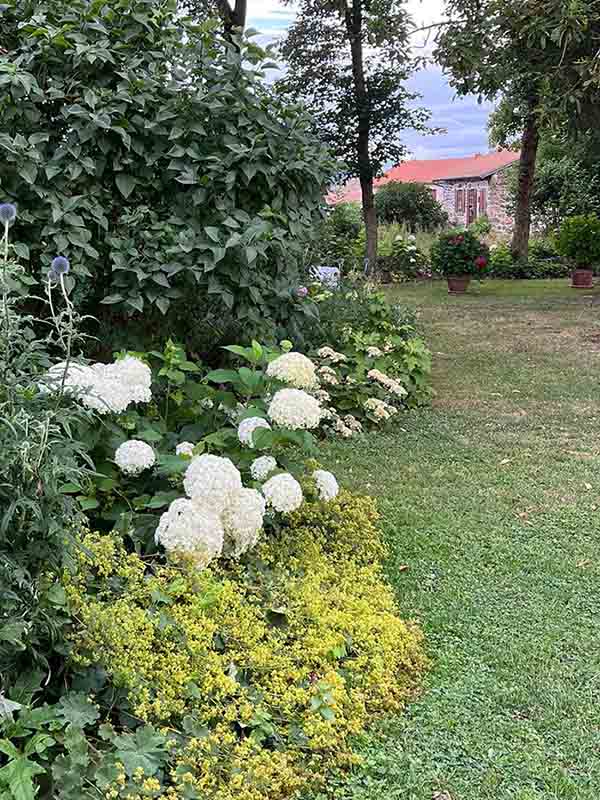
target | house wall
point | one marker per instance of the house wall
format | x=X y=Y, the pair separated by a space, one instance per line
x=446 y=195
x=501 y=220
x=496 y=187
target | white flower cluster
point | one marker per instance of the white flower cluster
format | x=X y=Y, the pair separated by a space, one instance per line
x=283 y=493
x=247 y=427
x=185 y=449
x=106 y=388
x=381 y=410
x=295 y=409
x=187 y=528
x=218 y=516
x=389 y=383
x=294 y=369
x=327 y=485
x=322 y=396
x=212 y=481
x=374 y=352
x=328 y=375
x=262 y=467
x=243 y=521
x=134 y=456
x=345 y=426
x=331 y=355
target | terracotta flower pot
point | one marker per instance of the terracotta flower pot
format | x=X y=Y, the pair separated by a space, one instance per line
x=582 y=279
x=458 y=284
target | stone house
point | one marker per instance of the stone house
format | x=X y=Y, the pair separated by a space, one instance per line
x=467 y=187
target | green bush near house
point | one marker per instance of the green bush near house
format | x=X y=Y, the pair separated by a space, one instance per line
x=409 y=204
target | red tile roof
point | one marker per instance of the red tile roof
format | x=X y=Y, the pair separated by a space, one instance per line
x=476 y=166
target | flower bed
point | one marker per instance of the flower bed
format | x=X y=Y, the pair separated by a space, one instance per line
x=195 y=609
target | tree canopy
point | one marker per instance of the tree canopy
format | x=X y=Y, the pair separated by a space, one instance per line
x=538 y=55
x=348 y=62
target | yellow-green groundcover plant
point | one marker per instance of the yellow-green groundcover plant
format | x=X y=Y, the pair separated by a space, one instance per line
x=257 y=672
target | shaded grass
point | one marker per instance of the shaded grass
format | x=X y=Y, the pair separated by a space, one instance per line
x=492 y=500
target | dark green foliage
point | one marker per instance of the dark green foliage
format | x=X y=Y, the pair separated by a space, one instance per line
x=409 y=204
x=459 y=252
x=155 y=156
x=544 y=261
x=340 y=238
x=579 y=240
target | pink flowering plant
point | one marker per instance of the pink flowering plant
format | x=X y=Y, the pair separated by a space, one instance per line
x=459 y=252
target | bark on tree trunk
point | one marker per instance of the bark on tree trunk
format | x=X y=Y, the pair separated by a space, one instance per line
x=233 y=17
x=529 y=148
x=353 y=18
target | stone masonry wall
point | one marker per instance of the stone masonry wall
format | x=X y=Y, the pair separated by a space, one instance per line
x=446 y=195
x=501 y=220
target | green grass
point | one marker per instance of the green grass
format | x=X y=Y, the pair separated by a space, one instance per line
x=491 y=498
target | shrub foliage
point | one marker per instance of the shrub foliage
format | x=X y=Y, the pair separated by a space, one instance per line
x=409 y=204
x=156 y=158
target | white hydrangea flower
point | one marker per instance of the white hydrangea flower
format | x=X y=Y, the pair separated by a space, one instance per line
x=295 y=409
x=262 y=467
x=295 y=369
x=381 y=410
x=212 y=481
x=207 y=403
x=243 y=521
x=105 y=388
x=327 y=485
x=247 y=427
x=134 y=456
x=78 y=377
x=353 y=423
x=389 y=383
x=185 y=449
x=328 y=375
x=283 y=493
x=136 y=376
x=344 y=430
x=322 y=396
x=189 y=528
x=330 y=354
x=374 y=352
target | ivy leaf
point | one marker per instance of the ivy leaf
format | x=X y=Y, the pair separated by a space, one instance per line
x=126 y=183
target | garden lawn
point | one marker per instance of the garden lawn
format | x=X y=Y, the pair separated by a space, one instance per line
x=491 y=502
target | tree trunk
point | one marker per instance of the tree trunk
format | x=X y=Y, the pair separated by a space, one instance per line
x=529 y=148
x=233 y=17
x=353 y=19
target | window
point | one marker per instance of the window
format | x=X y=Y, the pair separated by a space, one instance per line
x=460 y=201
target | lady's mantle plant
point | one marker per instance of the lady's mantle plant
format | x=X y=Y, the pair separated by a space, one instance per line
x=459 y=252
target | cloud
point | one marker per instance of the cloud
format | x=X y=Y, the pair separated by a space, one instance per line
x=463 y=117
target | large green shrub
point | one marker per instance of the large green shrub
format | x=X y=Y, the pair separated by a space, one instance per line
x=579 y=240
x=156 y=157
x=339 y=241
x=410 y=204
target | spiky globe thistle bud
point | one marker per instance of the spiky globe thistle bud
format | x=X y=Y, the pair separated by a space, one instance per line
x=60 y=265
x=8 y=212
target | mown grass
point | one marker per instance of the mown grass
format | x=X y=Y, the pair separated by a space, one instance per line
x=491 y=502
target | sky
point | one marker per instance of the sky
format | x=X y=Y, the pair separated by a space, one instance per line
x=463 y=118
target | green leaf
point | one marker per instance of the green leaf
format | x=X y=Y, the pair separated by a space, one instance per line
x=76 y=709
x=126 y=184
x=144 y=750
x=87 y=503
x=112 y=298
x=223 y=376
x=18 y=775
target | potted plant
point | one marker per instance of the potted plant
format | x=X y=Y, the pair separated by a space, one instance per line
x=579 y=241
x=459 y=255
